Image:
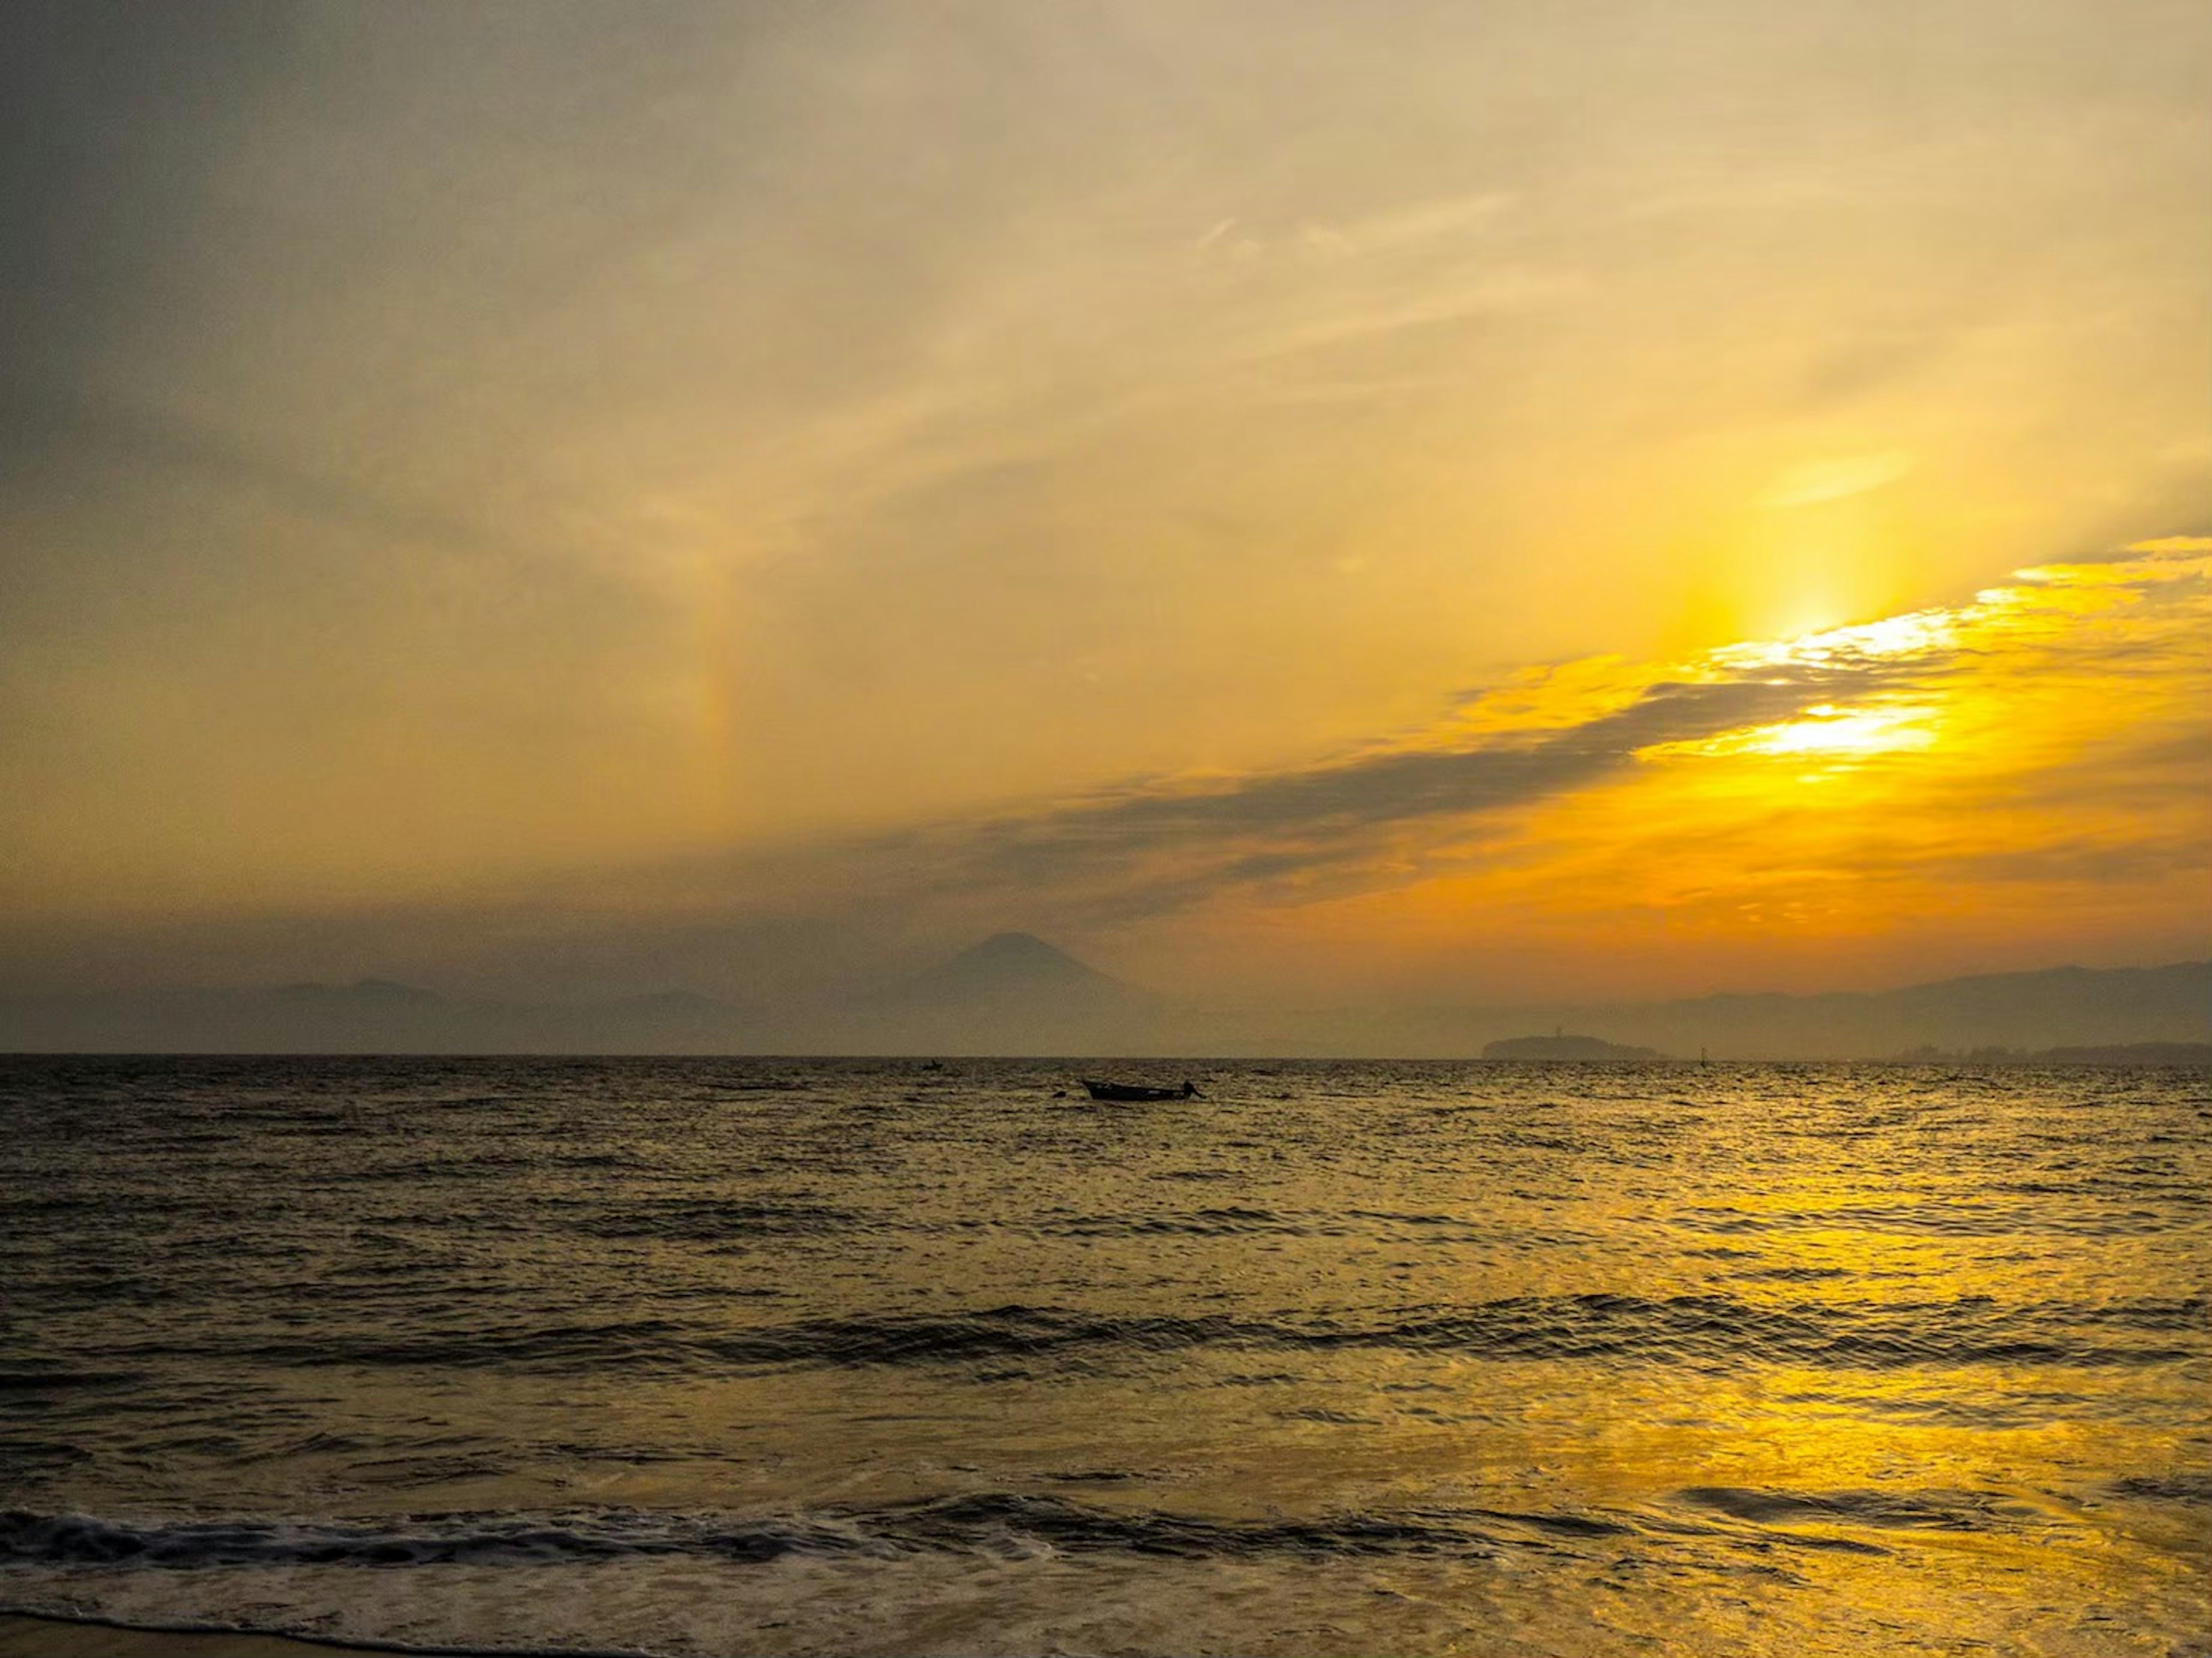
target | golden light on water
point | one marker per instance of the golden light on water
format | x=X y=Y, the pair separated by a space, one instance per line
x=556 y=559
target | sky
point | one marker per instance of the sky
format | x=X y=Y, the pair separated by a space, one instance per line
x=1401 y=501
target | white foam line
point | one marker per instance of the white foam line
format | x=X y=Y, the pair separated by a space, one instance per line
x=343 y=1642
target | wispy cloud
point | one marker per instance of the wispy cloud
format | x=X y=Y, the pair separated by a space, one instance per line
x=2040 y=754
x=644 y=474
x=1836 y=477
x=1960 y=721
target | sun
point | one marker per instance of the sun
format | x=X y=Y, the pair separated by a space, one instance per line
x=1844 y=733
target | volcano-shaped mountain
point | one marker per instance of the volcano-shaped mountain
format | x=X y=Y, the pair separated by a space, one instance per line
x=1013 y=993
x=1015 y=968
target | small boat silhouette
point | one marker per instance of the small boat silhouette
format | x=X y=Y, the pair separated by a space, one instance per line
x=1135 y=1093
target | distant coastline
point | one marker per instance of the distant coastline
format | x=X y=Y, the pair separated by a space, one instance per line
x=1015 y=994
x=2108 y=1054
x=1559 y=1045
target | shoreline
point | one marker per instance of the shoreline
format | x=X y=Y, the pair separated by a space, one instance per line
x=65 y=1634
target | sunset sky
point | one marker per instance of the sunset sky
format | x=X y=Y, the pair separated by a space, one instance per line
x=1475 y=500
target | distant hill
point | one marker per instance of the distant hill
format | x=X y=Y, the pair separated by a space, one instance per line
x=1012 y=994
x=1013 y=970
x=2072 y=1006
x=372 y=1016
x=2058 y=1007
x=1015 y=993
x=2159 y=1053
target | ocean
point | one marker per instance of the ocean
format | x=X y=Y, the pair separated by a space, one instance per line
x=890 y=1356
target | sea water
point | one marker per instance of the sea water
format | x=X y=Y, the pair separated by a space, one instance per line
x=876 y=1356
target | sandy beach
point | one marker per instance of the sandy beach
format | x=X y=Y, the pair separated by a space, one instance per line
x=23 y=1636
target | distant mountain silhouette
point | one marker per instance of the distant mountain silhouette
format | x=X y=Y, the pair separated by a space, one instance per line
x=2066 y=1006
x=1013 y=993
x=378 y=993
x=2130 y=1054
x=371 y=1016
x=2057 y=1006
x=1013 y=968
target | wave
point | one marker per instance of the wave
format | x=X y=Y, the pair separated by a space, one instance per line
x=1702 y=1331
x=1915 y=1510
x=2096 y=1217
x=38 y=1380
x=999 y=1524
x=308 y=1637
x=707 y=1221
x=987 y=1522
x=2172 y=1485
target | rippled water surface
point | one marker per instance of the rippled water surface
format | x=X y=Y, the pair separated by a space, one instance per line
x=876 y=1356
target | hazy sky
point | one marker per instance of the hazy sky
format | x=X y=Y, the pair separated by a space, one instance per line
x=1303 y=498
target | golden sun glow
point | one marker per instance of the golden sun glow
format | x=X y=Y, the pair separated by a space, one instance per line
x=481 y=500
x=2029 y=764
x=1827 y=729
x=1892 y=636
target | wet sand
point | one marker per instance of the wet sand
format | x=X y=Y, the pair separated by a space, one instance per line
x=23 y=1636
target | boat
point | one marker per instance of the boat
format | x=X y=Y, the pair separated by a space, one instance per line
x=1135 y=1093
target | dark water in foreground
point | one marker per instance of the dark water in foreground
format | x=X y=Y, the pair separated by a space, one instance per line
x=862 y=1357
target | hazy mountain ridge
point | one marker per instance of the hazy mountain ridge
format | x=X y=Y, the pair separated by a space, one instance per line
x=369 y=1016
x=2036 y=1010
x=1012 y=968
x=1015 y=993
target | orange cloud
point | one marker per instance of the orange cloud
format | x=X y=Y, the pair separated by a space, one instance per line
x=2020 y=770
